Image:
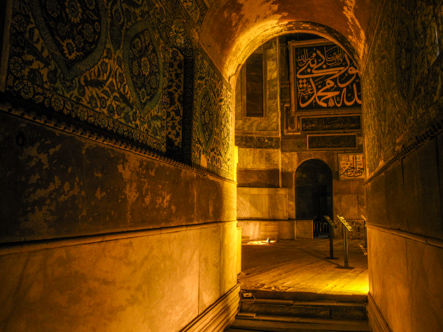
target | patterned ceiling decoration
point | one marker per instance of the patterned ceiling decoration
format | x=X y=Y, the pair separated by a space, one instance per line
x=128 y=67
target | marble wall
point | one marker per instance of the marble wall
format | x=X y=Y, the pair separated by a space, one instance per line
x=405 y=280
x=262 y=203
x=348 y=196
x=402 y=89
x=258 y=167
x=137 y=281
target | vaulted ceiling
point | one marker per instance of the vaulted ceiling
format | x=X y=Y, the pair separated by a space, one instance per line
x=232 y=29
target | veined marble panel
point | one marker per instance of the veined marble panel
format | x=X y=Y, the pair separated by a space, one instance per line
x=229 y=256
x=210 y=263
x=262 y=203
x=157 y=282
x=258 y=158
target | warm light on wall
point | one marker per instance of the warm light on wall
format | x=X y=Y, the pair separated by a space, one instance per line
x=263 y=242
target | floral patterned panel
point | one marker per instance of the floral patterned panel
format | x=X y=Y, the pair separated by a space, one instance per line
x=128 y=67
x=212 y=129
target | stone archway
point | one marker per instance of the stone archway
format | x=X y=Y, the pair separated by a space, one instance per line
x=313 y=193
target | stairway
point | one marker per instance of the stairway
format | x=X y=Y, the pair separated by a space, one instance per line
x=300 y=312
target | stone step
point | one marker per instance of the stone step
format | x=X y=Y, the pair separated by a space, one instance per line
x=318 y=309
x=308 y=305
x=260 y=323
x=306 y=296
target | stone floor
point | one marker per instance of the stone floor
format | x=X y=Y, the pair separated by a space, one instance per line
x=301 y=266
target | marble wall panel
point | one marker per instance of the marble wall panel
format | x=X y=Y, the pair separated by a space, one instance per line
x=406 y=285
x=389 y=278
x=288 y=182
x=422 y=192
x=278 y=204
x=304 y=229
x=376 y=201
x=258 y=158
x=425 y=286
x=258 y=178
x=243 y=203
x=286 y=230
x=262 y=203
x=229 y=257
x=131 y=284
x=260 y=230
x=157 y=282
x=346 y=206
x=259 y=206
x=407 y=195
x=210 y=265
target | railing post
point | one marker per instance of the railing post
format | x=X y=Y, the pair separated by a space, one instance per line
x=346 y=228
x=331 y=237
x=345 y=244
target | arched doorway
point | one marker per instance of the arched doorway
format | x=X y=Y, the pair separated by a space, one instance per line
x=313 y=194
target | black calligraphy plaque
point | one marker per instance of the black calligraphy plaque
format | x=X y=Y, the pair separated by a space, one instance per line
x=332 y=142
x=325 y=77
x=351 y=166
x=330 y=123
x=257 y=142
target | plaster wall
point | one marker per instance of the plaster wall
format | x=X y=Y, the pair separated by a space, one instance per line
x=135 y=281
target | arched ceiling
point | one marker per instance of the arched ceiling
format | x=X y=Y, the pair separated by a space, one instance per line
x=232 y=29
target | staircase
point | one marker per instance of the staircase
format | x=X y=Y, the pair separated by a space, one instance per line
x=300 y=312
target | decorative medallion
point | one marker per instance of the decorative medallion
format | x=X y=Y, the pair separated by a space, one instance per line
x=74 y=32
x=207 y=114
x=142 y=65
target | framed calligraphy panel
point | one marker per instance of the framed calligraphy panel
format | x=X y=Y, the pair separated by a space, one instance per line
x=332 y=142
x=324 y=80
x=351 y=166
x=330 y=123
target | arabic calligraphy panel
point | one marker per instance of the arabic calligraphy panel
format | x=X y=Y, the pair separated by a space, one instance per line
x=332 y=142
x=330 y=123
x=351 y=166
x=325 y=76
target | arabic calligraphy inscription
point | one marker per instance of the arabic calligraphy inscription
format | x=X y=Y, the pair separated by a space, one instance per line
x=351 y=166
x=332 y=142
x=325 y=77
x=330 y=123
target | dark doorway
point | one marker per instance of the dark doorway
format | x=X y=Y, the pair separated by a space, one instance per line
x=313 y=194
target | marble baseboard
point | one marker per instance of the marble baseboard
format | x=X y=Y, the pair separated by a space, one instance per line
x=375 y=317
x=218 y=316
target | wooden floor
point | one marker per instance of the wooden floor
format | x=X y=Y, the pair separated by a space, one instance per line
x=301 y=266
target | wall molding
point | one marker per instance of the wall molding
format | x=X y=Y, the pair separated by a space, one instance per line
x=121 y=144
x=411 y=236
x=219 y=315
x=15 y=248
x=376 y=320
